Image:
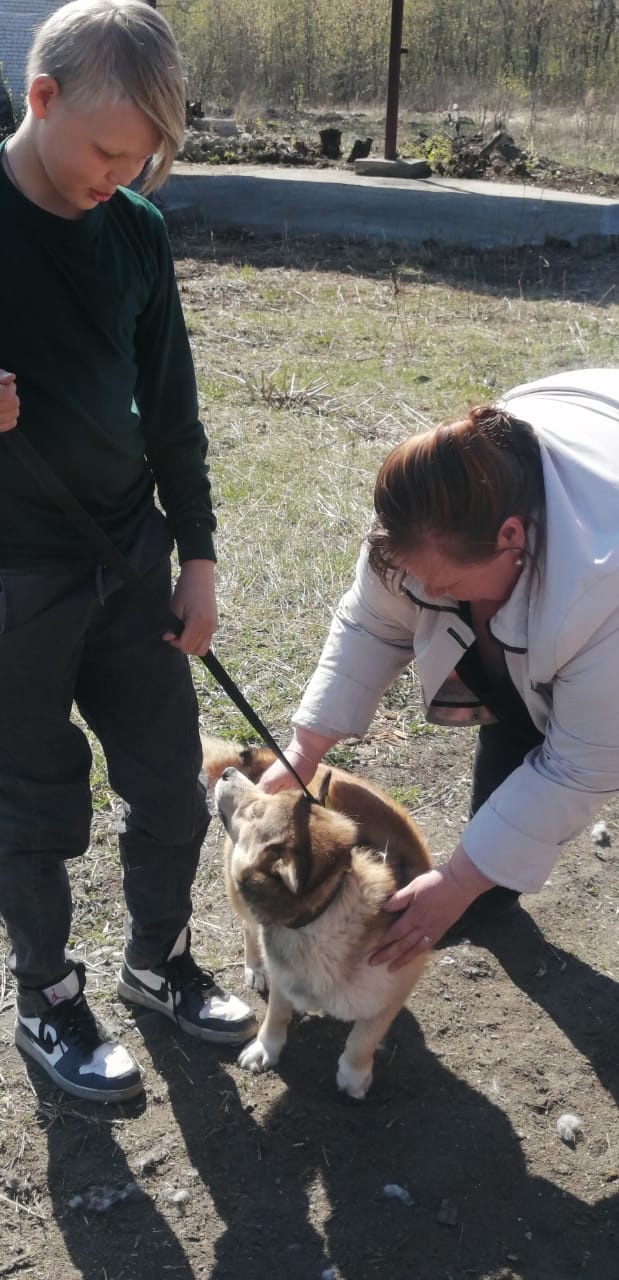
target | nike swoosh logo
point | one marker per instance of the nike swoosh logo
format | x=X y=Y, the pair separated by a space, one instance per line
x=48 y=1041
x=160 y=992
x=44 y=1035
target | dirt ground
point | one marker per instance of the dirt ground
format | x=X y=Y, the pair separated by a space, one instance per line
x=452 y=1169
x=220 y=1174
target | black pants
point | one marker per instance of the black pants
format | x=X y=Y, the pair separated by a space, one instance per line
x=499 y=750
x=501 y=747
x=66 y=639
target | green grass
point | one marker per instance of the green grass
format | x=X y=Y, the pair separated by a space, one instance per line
x=313 y=361
x=407 y=796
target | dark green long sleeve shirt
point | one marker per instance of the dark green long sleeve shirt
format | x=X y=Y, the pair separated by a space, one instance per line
x=92 y=327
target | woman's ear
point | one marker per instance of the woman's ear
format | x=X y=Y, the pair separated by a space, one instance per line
x=512 y=535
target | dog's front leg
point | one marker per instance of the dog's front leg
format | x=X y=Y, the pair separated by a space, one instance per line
x=354 y=1069
x=256 y=976
x=264 y=1051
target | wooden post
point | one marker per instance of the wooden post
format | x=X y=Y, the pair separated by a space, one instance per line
x=393 y=86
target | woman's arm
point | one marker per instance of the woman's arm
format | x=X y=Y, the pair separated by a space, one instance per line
x=516 y=837
x=369 y=643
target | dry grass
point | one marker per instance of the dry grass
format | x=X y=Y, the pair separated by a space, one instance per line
x=312 y=362
x=586 y=136
x=583 y=134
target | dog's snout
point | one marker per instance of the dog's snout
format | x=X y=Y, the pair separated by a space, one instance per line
x=228 y=773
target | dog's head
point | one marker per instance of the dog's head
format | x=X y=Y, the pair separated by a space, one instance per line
x=288 y=855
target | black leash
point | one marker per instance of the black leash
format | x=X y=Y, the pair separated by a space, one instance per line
x=55 y=489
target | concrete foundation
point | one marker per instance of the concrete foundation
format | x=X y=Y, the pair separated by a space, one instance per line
x=337 y=204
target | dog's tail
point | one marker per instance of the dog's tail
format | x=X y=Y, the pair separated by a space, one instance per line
x=218 y=755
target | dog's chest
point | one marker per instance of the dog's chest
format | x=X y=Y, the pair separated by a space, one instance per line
x=316 y=968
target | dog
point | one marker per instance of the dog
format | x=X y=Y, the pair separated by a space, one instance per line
x=309 y=881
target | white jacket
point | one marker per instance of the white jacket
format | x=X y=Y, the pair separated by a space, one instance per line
x=559 y=629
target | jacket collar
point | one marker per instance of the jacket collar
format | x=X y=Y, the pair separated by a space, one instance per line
x=510 y=624
x=411 y=587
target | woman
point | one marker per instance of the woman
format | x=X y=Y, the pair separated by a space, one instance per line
x=493 y=560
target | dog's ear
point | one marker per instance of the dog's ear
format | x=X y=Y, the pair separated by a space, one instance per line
x=292 y=871
x=294 y=866
x=324 y=788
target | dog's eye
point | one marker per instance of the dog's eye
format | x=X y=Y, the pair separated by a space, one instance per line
x=252 y=810
x=275 y=849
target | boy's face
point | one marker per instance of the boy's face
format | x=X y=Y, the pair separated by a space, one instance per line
x=85 y=155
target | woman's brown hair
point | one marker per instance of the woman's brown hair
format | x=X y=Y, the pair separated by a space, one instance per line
x=457 y=484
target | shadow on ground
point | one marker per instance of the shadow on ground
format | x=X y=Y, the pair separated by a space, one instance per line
x=475 y=1211
x=280 y=1177
x=552 y=271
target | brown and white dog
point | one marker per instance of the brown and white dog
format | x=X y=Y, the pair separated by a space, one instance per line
x=309 y=881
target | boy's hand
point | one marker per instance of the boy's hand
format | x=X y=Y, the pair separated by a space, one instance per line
x=194 y=603
x=9 y=401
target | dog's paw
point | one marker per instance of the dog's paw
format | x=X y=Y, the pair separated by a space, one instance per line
x=257 y=1057
x=256 y=979
x=354 y=1083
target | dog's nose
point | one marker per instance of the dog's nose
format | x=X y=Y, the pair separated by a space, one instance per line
x=227 y=773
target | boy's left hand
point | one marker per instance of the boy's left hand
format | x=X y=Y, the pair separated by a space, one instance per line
x=195 y=604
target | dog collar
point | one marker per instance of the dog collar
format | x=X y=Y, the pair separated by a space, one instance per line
x=308 y=917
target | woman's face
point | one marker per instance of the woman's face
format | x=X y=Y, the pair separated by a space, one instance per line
x=494 y=579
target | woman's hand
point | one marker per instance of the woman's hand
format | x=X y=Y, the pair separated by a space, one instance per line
x=427 y=907
x=9 y=401
x=304 y=751
x=279 y=778
x=195 y=604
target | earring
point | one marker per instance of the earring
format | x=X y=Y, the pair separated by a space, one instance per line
x=519 y=561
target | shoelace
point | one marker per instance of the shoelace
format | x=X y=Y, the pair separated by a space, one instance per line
x=185 y=974
x=73 y=1020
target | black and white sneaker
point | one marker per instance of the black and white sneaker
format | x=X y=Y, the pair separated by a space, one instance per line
x=57 y=1029
x=181 y=990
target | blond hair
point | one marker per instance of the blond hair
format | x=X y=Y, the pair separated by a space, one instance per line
x=114 y=50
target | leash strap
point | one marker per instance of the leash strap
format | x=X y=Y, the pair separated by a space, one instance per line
x=55 y=488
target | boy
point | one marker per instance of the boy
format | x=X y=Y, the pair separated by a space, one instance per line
x=101 y=381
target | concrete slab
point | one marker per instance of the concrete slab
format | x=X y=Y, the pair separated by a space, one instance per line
x=335 y=203
x=374 y=168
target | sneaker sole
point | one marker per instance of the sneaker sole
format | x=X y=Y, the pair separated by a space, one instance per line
x=119 y=1094
x=234 y=1035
